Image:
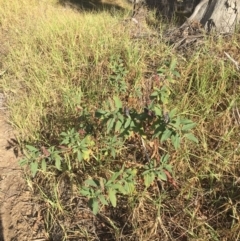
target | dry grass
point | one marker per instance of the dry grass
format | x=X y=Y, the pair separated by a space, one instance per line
x=58 y=63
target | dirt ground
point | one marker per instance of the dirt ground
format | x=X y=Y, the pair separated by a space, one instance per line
x=20 y=216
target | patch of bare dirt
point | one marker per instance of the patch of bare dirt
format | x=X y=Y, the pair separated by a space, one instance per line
x=20 y=216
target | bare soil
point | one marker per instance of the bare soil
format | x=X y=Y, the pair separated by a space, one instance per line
x=20 y=216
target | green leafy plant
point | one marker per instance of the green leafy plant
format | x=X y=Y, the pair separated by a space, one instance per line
x=154 y=170
x=119 y=73
x=104 y=191
x=39 y=159
x=119 y=126
x=117 y=121
x=80 y=148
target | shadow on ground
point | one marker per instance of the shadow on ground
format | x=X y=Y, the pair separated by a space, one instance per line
x=91 y=5
x=1 y=230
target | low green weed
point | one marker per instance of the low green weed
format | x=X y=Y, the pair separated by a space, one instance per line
x=117 y=126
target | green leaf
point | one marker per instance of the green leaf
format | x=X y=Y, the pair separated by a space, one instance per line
x=176 y=123
x=23 y=162
x=86 y=154
x=65 y=141
x=120 y=117
x=175 y=141
x=188 y=126
x=148 y=179
x=186 y=121
x=119 y=187
x=112 y=197
x=118 y=102
x=173 y=64
x=166 y=134
x=176 y=73
x=162 y=70
x=168 y=168
x=191 y=137
x=44 y=165
x=118 y=126
x=113 y=153
x=63 y=134
x=172 y=113
x=101 y=112
x=158 y=111
x=129 y=187
x=85 y=192
x=32 y=148
x=110 y=124
x=164 y=99
x=127 y=123
x=95 y=206
x=34 y=168
x=91 y=182
x=103 y=200
x=132 y=124
x=165 y=158
x=154 y=94
x=114 y=177
x=58 y=163
x=162 y=175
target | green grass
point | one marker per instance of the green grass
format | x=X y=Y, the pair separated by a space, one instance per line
x=63 y=64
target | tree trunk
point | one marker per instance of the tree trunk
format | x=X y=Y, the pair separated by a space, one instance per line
x=219 y=15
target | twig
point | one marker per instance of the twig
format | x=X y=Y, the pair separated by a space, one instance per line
x=234 y=61
x=236 y=115
x=145 y=150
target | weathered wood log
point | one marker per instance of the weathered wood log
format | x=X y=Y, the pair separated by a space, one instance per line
x=219 y=15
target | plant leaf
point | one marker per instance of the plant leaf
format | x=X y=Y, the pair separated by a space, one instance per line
x=91 y=182
x=175 y=141
x=158 y=111
x=112 y=197
x=127 y=123
x=110 y=124
x=165 y=158
x=191 y=137
x=188 y=126
x=173 y=64
x=149 y=178
x=162 y=175
x=114 y=177
x=34 y=168
x=44 y=165
x=94 y=205
x=118 y=102
x=118 y=126
x=79 y=156
x=100 y=112
x=172 y=113
x=85 y=191
x=119 y=187
x=23 y=162
x=58 y=163
x=186 y=121
x=32 y=148
x=103 y=200
x=154 y=94
x=86 y=154
x=166 y=134
x=129 y=187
